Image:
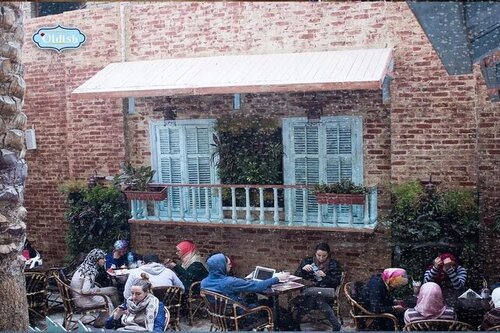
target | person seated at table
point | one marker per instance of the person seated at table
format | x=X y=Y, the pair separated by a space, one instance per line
x=492 y=317
x=192 y=267
x=142 y=311
x=83 y=281
x=219 y=281
x=121 y=257
x=324 y=272
x=376 y=296
x=430 y=305
x=450 y=276
x=159 y=275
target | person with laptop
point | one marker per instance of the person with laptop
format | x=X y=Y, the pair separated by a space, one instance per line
x=323 y=272
x=219 y=281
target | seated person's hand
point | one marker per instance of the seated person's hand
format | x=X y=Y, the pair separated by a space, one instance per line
x=119 y=311
x=447 y=264
x=320 y=273
x=438 y=263
x=169 y=263
x=307 y=268
x=399 y=308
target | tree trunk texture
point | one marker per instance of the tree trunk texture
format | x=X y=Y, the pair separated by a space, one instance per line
x=13 y=171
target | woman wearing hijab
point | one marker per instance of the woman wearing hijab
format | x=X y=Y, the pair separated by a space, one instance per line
x=142 y=311
x=430 y=305
x=446 y=272
x=192 y=268
x=376 y=296
x=492 y=317
x=322 y=271
x=83 y=281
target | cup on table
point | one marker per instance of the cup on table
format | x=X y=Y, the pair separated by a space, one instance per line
x=287 y=275
x=416 y=287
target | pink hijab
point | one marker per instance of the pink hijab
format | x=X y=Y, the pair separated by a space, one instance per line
x=392 y=274
x=430 y=301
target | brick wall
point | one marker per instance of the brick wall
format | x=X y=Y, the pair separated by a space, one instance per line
x=432 y=118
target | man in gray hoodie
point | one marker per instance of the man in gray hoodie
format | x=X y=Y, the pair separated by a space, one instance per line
x=159 y=275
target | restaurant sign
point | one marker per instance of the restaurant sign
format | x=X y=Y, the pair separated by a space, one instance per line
x=58 y=38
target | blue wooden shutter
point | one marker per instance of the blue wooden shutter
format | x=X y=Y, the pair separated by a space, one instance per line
x=182 y=155
x=322 y=152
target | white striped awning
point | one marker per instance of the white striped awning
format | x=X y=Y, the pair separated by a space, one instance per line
x=282 y=72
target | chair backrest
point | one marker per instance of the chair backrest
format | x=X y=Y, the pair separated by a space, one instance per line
x=438 y=325
x=222 y=310
x=36 y=289
x=194 y=289
x=355 y=306
x=65 y=293
x=494 y=328
x=169 y=295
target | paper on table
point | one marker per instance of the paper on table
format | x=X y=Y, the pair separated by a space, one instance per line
x=470 y=294
x=286 y=286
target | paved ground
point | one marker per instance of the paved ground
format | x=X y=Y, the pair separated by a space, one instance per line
x=203 y=324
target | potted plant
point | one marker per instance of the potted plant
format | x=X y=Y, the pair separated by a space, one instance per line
x=136 y=183
x=344 y=192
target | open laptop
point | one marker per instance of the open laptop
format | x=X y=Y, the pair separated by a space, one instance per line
x=261 y=273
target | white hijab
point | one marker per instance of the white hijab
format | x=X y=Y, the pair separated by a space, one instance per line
x=495 y=297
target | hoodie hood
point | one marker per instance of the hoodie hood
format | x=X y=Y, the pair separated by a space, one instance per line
x=217 y=265
x=153 y=268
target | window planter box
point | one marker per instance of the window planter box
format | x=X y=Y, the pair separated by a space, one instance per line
x=154 y=193
x=340 y=199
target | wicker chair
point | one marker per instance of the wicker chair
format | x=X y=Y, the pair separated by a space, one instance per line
x=171 y=296
x=36 y=293
x=194 y=301
x=363 y=318
x=73 y=313
x=438 y=325
x=65 y=273
x=227 y=315
x=494 y=328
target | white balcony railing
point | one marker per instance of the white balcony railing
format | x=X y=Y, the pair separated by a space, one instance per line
x=280 y=205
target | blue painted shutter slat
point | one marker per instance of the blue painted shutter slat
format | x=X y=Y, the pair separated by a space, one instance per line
x=170 y=161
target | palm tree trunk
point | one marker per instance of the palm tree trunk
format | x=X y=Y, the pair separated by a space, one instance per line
x=13 y=307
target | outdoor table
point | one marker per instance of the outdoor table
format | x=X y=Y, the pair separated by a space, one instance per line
x=471 y=311
x=280 y=289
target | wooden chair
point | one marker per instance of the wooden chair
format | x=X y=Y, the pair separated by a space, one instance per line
x=228 y=315
x=73 y=313
x=438 y=325
x=494 y=328
x=65 y=273
x=36 y=293
x=194 y=301
x=171 y=296
x=363 y=319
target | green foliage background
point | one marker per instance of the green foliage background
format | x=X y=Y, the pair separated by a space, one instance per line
x=97 y=217
x=426 y=221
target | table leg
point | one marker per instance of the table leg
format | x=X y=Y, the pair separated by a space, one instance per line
x=276 y=311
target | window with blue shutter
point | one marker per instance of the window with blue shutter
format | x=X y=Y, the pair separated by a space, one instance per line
x=321 y=152
x=182 y=154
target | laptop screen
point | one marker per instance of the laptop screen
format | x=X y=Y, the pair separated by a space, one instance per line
x=263 y=273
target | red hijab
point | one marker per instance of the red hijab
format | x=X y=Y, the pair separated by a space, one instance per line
x=186 y=248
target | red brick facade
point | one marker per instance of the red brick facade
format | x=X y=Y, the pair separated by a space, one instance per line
x=435 y=123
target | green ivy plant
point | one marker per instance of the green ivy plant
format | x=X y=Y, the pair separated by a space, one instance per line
x=425 y=221
x=97 y=216
x=344 y=186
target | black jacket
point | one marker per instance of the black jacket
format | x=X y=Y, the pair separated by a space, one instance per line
x=333 y=273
